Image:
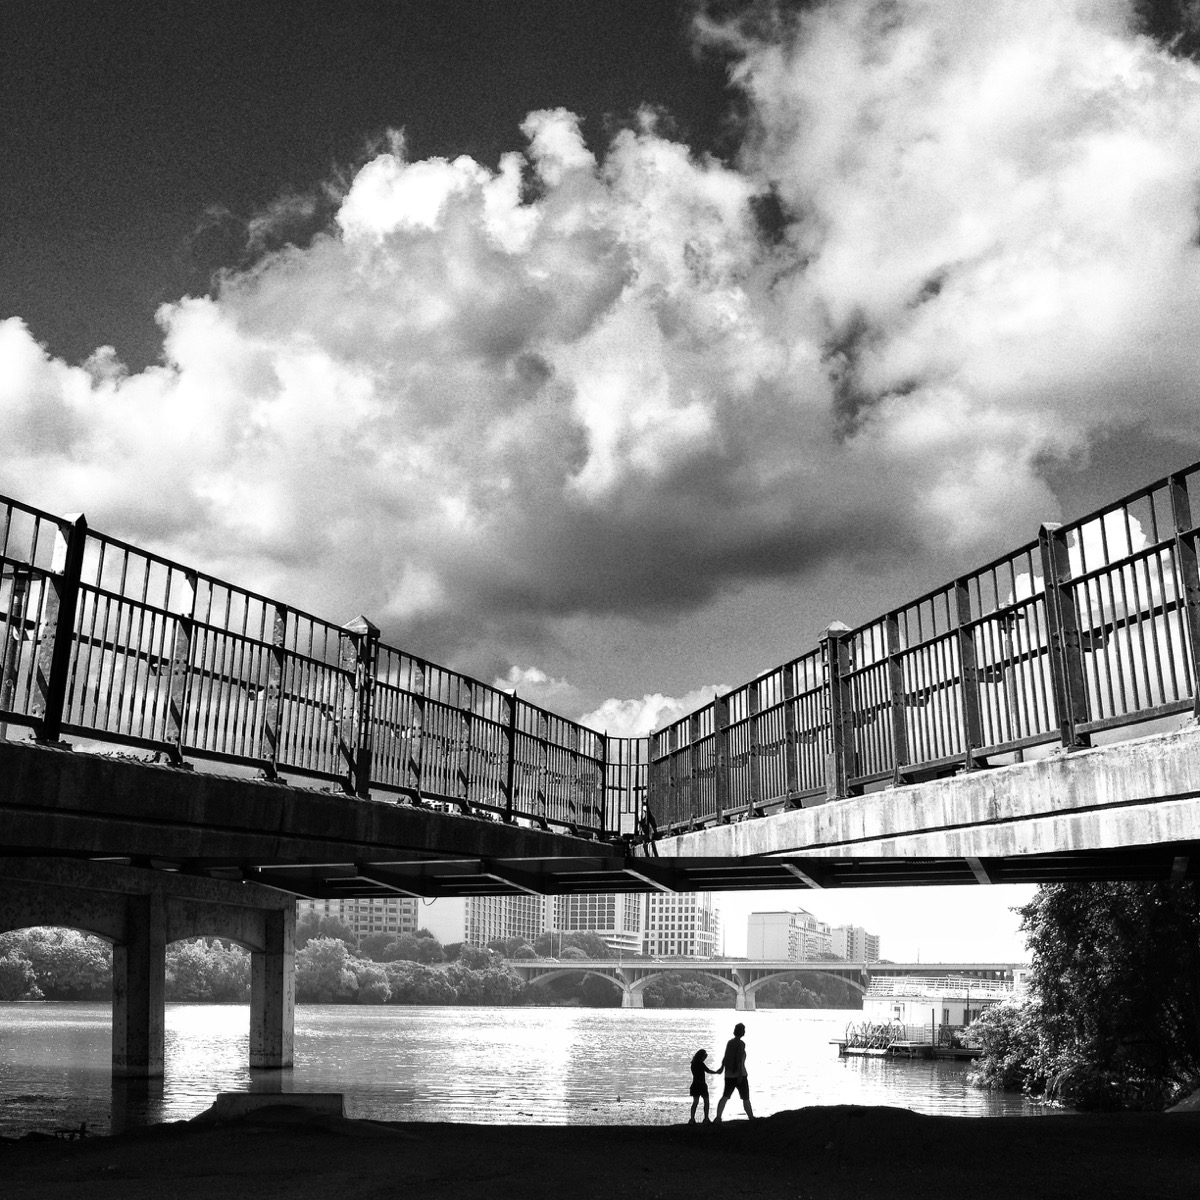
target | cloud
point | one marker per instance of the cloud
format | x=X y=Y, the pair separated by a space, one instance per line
x=636 y=718
x=594 y=381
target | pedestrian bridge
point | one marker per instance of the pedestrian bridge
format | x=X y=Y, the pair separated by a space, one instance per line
x=744 y=977
x=1031 y=721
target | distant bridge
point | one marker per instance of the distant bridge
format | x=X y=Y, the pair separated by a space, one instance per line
x=744 y=977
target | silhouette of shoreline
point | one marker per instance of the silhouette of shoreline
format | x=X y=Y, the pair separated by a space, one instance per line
x=839 y=1153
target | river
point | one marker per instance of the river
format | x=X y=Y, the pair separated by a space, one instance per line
x=512 y=1065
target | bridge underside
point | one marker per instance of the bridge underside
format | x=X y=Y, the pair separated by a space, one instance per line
x=1055 y=821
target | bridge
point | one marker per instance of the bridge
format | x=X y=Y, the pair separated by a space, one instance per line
x=171 y=742
x=744 y=976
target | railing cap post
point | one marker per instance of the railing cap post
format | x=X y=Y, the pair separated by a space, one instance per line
x=360 y=626
x=836 y=629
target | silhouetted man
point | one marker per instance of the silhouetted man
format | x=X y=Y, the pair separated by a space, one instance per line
x=734 y=1066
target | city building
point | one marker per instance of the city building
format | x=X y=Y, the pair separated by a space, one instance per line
x=395 y=914
x=618 y=918
x=491 y=917
x=795 y=935
x=855 y=944
x=682 y=924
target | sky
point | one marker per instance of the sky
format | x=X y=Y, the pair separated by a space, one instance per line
x=607 y=351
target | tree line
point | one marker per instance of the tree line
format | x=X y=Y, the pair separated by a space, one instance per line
x=336 y=966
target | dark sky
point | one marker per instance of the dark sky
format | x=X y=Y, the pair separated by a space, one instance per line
x=136 y=135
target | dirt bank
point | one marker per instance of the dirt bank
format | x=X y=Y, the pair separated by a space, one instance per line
x=812 y=1153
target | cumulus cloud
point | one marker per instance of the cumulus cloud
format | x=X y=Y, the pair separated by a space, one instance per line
x=585 y=382
x=638 y=717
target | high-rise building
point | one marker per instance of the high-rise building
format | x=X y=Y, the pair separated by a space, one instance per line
x=392 y=914
x=796 y=935
x=682 y=924
x=855 y=944
x=492 y=917
x=618 y=918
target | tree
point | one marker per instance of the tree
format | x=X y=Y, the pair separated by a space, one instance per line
x=474 y=957
x=206 y=970
x=412 y=948
x=372 y=983
x=17 y=978
x=325 y=971
x=68 y=965
x=317 y=925
x=1114 y=1007
x=373 y=945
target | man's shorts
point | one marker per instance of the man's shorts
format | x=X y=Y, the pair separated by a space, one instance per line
x=741 y=1086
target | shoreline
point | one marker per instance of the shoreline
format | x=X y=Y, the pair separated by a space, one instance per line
x=840 y=1152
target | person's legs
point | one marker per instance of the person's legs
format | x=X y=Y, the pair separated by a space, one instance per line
x=744 y=1092
x=730 y=1084
x=704 y=1094
x=695 y=1101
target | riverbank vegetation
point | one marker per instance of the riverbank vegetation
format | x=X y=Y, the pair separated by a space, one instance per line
x=335 y=966
x=1112 y=1016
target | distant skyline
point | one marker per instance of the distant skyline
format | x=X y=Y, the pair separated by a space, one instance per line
x=605 y=351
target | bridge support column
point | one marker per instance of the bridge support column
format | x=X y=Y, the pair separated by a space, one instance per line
x=273 y=992
x=632 y=999
x=139 y=988
x=744 y=1001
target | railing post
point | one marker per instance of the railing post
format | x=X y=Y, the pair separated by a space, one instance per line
x=359 y=650
x=755 y=777
x=181 y=668
x=602 y=784
x=58 y=631
x=1066 y=651
x=968 y=670
x=899 y=705
x=14 y=637
x=416 y=758
x=510 y=738
x=790 y=737
x=466 y=722
x=694 y=768
x=721 y=753
x=272 y=728
x=543 y=768
x=840 y=762
x=1189 y=578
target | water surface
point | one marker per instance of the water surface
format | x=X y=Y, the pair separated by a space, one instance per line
x=489 y=1065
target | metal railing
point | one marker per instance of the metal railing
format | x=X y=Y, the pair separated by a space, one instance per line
x=1093 y=626
x=107 y=641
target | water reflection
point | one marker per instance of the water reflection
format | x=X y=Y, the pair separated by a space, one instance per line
x=543 y=1065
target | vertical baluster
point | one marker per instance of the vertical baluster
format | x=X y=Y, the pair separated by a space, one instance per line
x=1062 y=619
x=840 y=759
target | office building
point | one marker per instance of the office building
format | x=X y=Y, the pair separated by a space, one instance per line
x=393 y=914
x=788 y=935
x=684 y=924
x=618 y=918
x=855 y=944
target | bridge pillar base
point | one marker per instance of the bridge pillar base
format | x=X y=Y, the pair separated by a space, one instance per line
x=745 y=1002
x=139 y=988
x=632 y=1000
x=273 y=993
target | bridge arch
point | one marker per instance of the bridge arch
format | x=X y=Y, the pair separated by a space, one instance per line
x=755 y=984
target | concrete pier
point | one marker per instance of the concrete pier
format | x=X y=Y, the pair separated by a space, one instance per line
x=141 y=912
